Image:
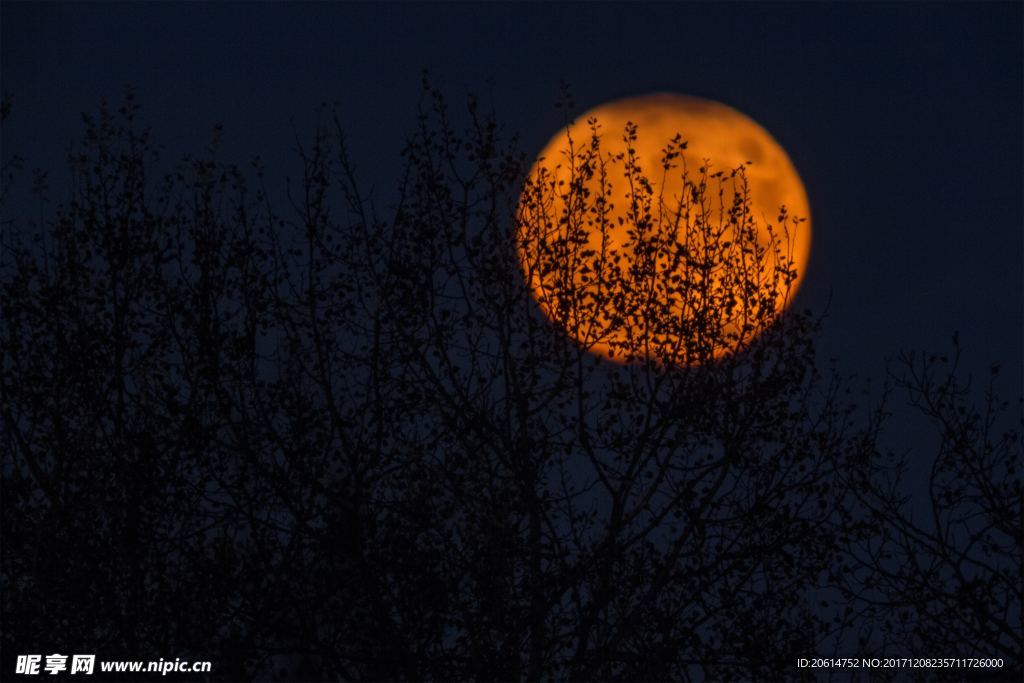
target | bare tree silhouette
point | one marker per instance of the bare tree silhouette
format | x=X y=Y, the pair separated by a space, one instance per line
x=942 y=570
x=349 y=444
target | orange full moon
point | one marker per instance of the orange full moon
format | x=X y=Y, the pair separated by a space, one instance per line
x=663 y=227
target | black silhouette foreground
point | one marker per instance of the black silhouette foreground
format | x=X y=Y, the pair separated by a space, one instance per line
x=322 y=442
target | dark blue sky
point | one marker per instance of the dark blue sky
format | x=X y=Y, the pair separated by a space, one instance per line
x=903 y=119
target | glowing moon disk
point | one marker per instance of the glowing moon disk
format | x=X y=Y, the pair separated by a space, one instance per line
x=713 y=132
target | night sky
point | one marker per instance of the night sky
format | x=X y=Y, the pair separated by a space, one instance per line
x=904 y=120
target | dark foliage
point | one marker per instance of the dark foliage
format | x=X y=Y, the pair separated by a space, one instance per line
x=345 y=446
